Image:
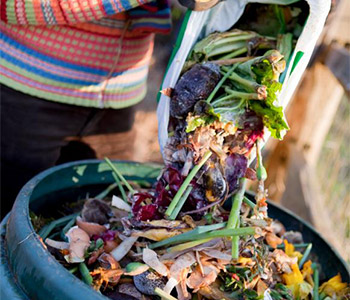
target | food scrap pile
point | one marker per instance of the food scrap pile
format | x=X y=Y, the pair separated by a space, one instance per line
x=194 y=234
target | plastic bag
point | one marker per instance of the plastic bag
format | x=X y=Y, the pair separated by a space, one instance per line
x=197 y=25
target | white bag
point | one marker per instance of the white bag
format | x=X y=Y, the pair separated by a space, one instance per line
x=197 y=25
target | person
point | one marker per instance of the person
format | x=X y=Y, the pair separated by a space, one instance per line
x=71 y=73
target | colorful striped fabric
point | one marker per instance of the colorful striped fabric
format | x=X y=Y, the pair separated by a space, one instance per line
x=84 y=52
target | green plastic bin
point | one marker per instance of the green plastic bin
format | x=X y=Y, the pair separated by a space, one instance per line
x=28 y=271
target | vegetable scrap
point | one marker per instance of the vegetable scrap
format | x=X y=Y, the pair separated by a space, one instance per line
x=178 y=240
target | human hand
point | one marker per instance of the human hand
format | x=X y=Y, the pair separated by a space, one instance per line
x=199 y=5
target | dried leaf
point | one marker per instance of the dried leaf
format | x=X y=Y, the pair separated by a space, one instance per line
x=213 y=292
x=278 y=228
x=273 y=240
x=196 y=281
x=158 y=234
x=129 y=289
x=189 y=221
x=94 y=255
x=183 y=278
x=216 y=243
x=180 y=294
x=256 y=222
x=250 y=174
x=166 y=224
x=184 y=261
x=283 y=261
x=261 y=287
x=106 y=276
x=199 y=263
x=218 y=254
x=252 y=283
x=213 y=244
x=150 y=257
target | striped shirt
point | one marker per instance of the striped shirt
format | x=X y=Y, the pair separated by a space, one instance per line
x=92 y=53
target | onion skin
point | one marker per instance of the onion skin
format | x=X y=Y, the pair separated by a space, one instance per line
x=110 y=245
x=90 y=228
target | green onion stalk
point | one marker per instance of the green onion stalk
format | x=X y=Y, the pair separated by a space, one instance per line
x=181 y=203
x=105 y=192
x=285 y=45
x=187 y=235
x=260 y=170
x=250 y=203
x=222 y=45
x=163 y=295
x=120 y=187
x=228 y=232
x=233 y=220
x=187 y=245
x=193 y=236
x=305 y=255
x=316 y=295
x=46 y=230
x=303 y=245
x=235 y=53
x=85 y=274
x=242 y=95
x=65 y=229
x=247 y=84
x=261 y=174
x=228 y=50
x=185 y=184
x=73 y=270
x=220 y=83
x=119 y=174
x=228 y=101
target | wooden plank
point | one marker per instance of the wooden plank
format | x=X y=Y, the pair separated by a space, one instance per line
x=320 y=109
x=338 y=62
x=303 y=197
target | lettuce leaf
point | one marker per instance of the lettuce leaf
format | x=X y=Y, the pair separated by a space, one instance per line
x=272 y=115
x=204 y=115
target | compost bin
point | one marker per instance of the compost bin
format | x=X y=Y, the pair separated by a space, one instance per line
x=29 y=271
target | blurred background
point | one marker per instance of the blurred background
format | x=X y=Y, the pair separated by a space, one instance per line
x=309 y=171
